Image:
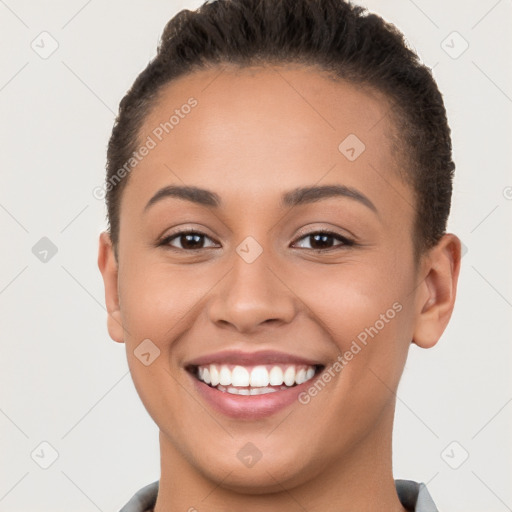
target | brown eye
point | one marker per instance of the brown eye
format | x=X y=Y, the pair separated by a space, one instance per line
x=195 y=240
x=188 y=240
x=324 y=240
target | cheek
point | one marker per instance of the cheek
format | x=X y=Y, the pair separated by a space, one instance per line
x=155 y=301
x=157 y=304
x=353 y=301
x=369 y=316
x=370 y=325
x=162 y=304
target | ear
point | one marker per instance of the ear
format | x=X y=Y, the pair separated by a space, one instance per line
x=108 y=267
x=436 y=294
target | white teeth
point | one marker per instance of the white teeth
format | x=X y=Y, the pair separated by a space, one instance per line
x=206 y=376
x=259 y=377
x=246 y=391
x=301 y=376
x=224 y=376
x=240 y=376
x=289 y=376
x=254 y=380
x=276 y=376
x=261 y=391
x=214 y=375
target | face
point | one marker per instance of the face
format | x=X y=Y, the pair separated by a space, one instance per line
x=289 y=277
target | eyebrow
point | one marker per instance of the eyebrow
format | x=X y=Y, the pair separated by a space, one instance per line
x=296 y=197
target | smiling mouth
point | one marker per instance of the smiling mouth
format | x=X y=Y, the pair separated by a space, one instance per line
x=255 y=379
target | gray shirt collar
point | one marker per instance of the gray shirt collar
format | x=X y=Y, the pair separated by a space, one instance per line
x=413 y=495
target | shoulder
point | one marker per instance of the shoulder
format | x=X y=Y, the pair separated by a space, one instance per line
x=415 y=496
x=143 y=500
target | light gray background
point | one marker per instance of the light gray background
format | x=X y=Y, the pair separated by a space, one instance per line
x=63 y=381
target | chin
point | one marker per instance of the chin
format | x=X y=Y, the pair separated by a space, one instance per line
x=277 y=468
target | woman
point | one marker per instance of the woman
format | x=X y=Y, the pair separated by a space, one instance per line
x=278 y=184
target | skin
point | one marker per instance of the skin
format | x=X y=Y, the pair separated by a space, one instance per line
x=254 y=135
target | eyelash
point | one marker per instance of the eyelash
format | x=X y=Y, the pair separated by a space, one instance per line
x=346 y=242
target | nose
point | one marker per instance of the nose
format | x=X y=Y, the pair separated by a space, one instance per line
x=252 y=295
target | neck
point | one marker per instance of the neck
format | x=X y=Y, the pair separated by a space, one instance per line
x=359 y=480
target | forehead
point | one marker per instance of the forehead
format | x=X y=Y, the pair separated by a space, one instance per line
x=252 y=129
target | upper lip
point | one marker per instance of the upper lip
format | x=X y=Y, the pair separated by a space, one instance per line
x=250 y=358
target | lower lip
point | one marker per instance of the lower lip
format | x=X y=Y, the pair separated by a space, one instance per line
x=249 y=406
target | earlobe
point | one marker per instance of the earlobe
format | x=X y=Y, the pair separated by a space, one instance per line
x=108 y=267
x=436 y=294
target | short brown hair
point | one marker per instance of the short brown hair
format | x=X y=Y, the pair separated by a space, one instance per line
x=333 y=35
